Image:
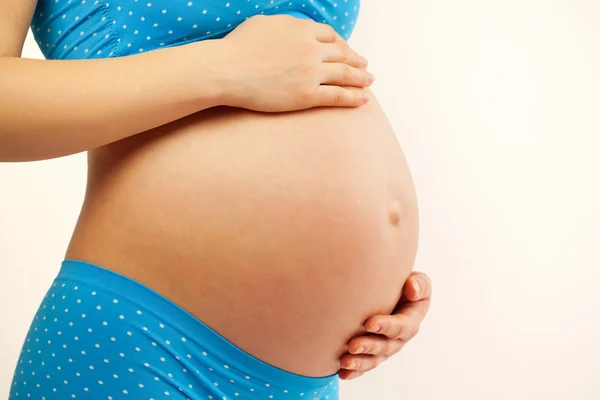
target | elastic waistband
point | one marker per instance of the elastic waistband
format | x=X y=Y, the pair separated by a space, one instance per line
x=94 y=276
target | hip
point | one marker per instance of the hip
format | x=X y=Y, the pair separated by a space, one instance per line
x=103 y=335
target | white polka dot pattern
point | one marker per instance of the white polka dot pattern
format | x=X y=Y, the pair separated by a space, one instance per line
x=75 y=29
x=99 y=335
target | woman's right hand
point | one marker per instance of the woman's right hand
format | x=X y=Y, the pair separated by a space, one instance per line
x=283 y=63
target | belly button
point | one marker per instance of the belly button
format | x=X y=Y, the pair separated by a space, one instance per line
x=394 y=213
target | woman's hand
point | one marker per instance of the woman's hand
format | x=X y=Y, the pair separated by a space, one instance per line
x=283 y=63
x=391 y=331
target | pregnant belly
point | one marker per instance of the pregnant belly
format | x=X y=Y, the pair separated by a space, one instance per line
x=282 y=232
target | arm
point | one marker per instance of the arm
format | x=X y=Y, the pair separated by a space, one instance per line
x=55 y=108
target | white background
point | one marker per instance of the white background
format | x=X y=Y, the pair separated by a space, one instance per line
x=496 y=104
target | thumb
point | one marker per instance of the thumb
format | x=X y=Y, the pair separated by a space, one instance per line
x=417 y=287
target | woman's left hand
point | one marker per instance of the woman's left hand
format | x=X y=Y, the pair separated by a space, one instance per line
x=391 y=332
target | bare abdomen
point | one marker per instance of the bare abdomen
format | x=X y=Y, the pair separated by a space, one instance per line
x=283 y=232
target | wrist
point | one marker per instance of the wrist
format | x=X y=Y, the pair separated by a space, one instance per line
x=215 y=77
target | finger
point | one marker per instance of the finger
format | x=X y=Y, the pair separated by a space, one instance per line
x=327 y=95
x=343 y=54
x=417 y=287
x=345 y=75
x=348 y=375
x=415 y=310
x=326 y=34
x=375 y=345
x=397 y=327
x=363 y=362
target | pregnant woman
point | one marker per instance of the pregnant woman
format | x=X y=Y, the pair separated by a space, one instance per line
x=248 y=206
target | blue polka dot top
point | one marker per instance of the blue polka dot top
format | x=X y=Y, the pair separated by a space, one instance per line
x=78 y=29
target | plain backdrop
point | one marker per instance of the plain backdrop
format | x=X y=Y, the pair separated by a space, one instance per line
x=496 y=105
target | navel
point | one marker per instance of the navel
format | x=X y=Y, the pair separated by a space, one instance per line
x=394 y=213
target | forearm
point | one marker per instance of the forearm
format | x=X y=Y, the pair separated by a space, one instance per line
x=56 y=108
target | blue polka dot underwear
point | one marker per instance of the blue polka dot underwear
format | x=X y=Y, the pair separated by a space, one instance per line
x=101 y=335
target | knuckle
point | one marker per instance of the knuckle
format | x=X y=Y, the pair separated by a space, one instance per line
x=338 y=97
x=347 y=73
x=313 y=46
x=306 y=23
x=332 y=32
x=386 y=348
x=400 y=333
x=312 y=54
x=350 y=54
x=346 y=53
x=310 y=68
x=314 y=50
x=305 y=94
x=303 y=24
x=356 y=101
x=384 y=327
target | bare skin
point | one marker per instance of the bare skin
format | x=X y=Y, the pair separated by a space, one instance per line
x=302 y=225
x=330 y=75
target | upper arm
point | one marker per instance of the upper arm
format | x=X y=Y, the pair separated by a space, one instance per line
x=15 y=17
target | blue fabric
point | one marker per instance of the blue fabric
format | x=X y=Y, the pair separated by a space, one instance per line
x=100 y=335
x=76 y=29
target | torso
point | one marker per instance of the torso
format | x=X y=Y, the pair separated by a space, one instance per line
x=282 y=232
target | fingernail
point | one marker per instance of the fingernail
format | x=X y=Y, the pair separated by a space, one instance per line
x=370 y=78
x=360 y=350
x=374 y=328
x=418 y=286
x=365 y=99
x=352 y=366
x=364 y=62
